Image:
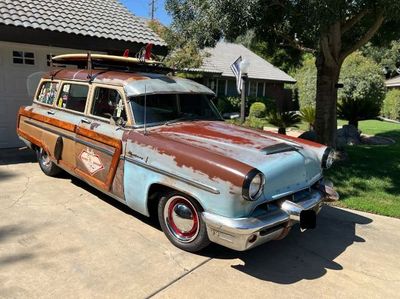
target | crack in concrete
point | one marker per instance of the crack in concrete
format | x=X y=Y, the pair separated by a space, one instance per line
x=165 y=249
x=377 y=277
x=177 y=279
x=23 y=193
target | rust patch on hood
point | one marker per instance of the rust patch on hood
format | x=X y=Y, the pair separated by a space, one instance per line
x=212 y=164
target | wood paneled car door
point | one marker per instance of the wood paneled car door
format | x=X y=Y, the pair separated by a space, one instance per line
x=51 y=123
x=99 y=140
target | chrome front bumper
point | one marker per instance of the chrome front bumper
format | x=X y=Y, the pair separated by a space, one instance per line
x=245 y=233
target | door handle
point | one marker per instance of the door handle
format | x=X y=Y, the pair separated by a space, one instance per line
x=86 y=121
x=51 y=112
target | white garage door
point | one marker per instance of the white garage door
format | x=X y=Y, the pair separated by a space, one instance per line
x=17 y=62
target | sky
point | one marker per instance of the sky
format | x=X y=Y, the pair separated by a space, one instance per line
x=142 y=8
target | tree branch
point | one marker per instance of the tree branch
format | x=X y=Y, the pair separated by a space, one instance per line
x=365 y=38
x=347 y=25
x=295 y=44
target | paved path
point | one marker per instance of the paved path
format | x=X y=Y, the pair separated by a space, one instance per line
x=60 y=238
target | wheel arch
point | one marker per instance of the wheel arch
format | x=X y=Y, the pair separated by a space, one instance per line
x=155 y=192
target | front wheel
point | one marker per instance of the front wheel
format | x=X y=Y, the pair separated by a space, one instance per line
x=46 y=165
x=181 y=222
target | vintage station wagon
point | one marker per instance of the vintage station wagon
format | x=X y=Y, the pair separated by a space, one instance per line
x=158 y=144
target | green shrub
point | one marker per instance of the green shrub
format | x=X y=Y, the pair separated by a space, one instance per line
x=270 y=104
x=232 y=104
x=283 y=120
x=391 y=105
x=363 y=92
x=256 y=123
x=228 y=104
x=257 y=109
x=307 y=114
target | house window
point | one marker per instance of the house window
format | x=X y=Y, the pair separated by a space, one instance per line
x=212 y=84
x=260 y=89
x=252 y=88
x=232 y=89
x=20 y=57
x=73 y=97
x=221 y=87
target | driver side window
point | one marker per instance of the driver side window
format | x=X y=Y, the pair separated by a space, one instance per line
x=108 y=103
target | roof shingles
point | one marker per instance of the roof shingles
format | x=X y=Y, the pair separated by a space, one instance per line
x=108 y=19
x=224 y=54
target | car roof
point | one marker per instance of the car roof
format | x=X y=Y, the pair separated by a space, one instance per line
x=134 y=83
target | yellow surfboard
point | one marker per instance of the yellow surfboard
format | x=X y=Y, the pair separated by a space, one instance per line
x=101 y=58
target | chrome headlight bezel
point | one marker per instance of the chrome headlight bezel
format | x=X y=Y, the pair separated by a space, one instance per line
x=328 y=158
x=253 y=177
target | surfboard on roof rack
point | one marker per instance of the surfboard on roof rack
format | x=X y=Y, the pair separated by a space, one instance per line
x=110 y=62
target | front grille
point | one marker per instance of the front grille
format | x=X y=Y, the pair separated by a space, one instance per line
x=272 y=229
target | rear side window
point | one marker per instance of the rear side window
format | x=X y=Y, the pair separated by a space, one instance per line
x=73 y=97
x=48 y=93
x=108 y=103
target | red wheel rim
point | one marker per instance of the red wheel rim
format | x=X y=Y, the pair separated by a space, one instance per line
x=184 y=228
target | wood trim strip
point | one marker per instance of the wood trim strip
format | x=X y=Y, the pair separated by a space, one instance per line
x=49 y=120
x=102 y=138
x=117 y=144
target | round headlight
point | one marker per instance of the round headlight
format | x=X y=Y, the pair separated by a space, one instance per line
x=253 y=185
x=328 y=158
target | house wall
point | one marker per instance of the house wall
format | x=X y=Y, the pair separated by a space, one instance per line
x=261 y=88
x=13 y=83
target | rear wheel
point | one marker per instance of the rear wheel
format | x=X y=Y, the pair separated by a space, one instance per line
x=180 y=220
x=47 y=166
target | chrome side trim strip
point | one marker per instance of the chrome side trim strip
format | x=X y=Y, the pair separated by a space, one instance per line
x=172 y=175
x=96 y=147
x=76 y=139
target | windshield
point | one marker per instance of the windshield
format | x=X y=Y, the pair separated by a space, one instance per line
x=168 y=108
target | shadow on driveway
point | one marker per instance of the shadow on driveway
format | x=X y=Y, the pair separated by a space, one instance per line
x=299 y=256
x=16 y=156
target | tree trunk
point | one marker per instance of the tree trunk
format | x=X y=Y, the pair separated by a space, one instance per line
x=325 y=120
x=282 y=131
x=354 y=122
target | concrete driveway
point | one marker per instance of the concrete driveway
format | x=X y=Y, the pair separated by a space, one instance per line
x=61 y=238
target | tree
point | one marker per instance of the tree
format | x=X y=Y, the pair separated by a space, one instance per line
x=363 y=89
x=329 y=29
x=362 y=93
x=285 y=58
x=391 y=104
x=388 y=58
x=183 y=53
x=306 y=84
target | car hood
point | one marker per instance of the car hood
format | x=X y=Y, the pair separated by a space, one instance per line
x=287 y=165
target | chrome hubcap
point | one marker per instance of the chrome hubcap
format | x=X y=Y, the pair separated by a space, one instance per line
x=181 y=218
x=44 y=157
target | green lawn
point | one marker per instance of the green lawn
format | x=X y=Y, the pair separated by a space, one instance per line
x=370 y=179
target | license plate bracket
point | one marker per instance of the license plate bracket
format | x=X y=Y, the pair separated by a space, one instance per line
x=308 y=219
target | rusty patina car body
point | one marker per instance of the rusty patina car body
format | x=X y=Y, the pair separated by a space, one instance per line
x=206 y=179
